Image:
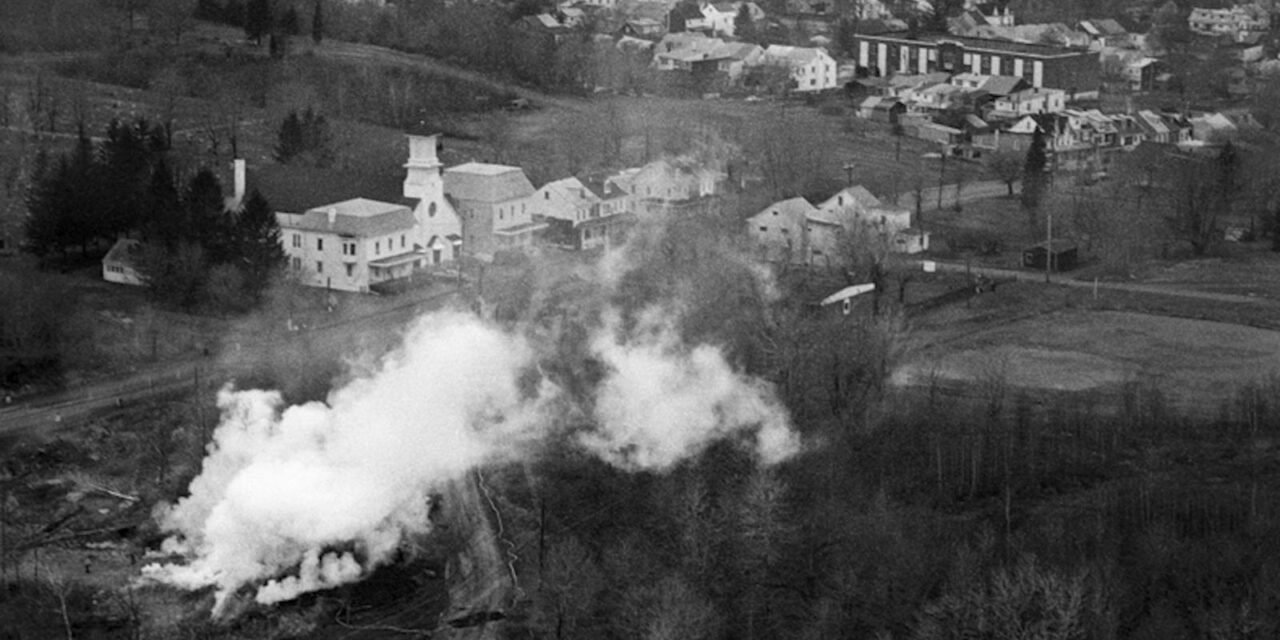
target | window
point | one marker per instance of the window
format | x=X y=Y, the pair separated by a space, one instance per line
x=377 y=248
x=351 y=270
x=319 y=244
x=431 y=210
x=319 y=267
x=348 y=248
x=297 y=240
x=546 y=195
x=764 y=229
x=296 y=263
x=402 y=241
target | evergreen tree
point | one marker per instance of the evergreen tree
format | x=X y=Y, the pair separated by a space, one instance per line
x=165 y=223
x=290 y=140
x=209 y=223
x=46 y=206
x=126 y=159
x=257 y=20
x=1034 y=174
x=317 y=22
x=258 y=237
x=743 y=26
x=317 y=140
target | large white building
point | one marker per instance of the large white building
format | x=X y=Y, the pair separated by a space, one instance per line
x=812 y=69
x=351 y=245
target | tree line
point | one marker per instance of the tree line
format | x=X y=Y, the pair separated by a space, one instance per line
x=196 y=250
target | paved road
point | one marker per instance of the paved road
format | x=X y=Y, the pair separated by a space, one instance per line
x=1067 y=280
x=53 y=410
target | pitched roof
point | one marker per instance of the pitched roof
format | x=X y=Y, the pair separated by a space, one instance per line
x=793 y=55
x=1102 y=27
x=849 y=196
x=125 y=252
x=359 y=217
x=1002 y=85
x=483 y=182
x=798 y=207
x=570 y=189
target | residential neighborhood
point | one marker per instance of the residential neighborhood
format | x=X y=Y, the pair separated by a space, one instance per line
x=646 y=319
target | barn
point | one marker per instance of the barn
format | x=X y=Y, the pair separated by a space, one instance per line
x=1063 y=253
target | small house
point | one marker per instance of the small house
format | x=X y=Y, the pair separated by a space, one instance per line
x=1062 y=254
x=121 y=264
x=881 y=109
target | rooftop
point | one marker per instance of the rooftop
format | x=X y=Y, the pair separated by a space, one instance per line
x=358 y=217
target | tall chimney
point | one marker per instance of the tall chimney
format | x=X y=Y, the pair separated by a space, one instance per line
x=238 y=169
x=333 y=216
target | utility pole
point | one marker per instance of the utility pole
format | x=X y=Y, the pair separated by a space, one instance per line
x=1048 y=245
x=942 y=168
x=848 y=171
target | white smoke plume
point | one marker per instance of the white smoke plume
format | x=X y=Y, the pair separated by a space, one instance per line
x=306 y=498
x=280 y=490
x=662 y=402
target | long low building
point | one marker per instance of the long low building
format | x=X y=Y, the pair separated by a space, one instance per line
x=1073 y=70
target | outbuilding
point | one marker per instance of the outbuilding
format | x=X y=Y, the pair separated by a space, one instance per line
x=1063 y=253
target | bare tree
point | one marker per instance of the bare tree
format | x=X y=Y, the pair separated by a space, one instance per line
x=1007 y=165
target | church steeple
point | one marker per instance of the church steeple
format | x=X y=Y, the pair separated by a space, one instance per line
x=422 y=172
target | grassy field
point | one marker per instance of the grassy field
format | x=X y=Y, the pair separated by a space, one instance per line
x=1198 y=364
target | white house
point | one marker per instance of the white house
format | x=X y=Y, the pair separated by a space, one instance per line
x=780 y=231
x=719 y=17
x=1029 y=101
x=492 y=202
x=812 y=69
x=351 y=245
x=120 y=265
x=664 y=182
x=857 y=211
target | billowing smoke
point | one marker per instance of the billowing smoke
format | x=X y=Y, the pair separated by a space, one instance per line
x=304 y=498
x=662 y=402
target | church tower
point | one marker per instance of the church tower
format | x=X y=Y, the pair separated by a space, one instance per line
x=422 y=179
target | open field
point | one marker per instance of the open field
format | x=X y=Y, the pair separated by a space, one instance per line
x=1198 y=364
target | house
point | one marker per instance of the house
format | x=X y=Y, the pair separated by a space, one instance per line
x=383 y=245
x=811 y=68
x=1155 y=127
x=994 y=85
x=719 y=17
x=611 y=217
x=552 y=28
x=1235 y=22
x=1212 y=127
x=1061 y=254
x=1028 y=101
x=856 y=210
x=351 y=245
x=1141 y=73
x=734 y=58
x=492 y=202
x=881 y=109
x=935 y=133
x=665 y=184
x=578 y=216
x=1105 y=32
x=643 y=28
x=1041 y=65
x=779 y=232
x=121 y=264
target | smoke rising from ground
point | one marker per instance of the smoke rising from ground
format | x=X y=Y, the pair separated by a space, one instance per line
x=305 y=498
